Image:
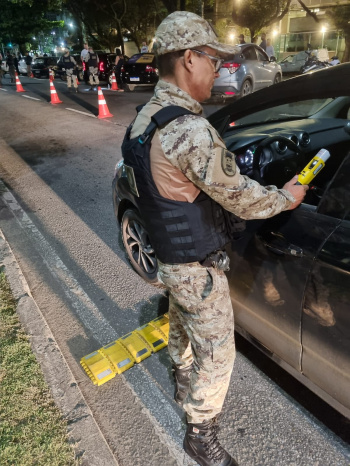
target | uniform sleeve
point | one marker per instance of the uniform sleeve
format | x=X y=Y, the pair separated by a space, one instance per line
x=192 y=145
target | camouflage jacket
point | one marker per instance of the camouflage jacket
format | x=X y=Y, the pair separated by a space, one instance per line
x=194 y=147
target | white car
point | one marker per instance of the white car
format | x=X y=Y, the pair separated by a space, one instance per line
x=22 y=66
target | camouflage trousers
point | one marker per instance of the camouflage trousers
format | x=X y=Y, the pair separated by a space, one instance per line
x=93 y=76
x=201 y=332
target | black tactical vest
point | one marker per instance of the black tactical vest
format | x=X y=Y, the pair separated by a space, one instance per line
x=92 y=60
x=67 y=62
x=180 y=232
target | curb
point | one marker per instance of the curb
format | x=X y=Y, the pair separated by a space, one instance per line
x=83 y=432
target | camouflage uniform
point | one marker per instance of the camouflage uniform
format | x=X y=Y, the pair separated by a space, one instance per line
x=200 y=309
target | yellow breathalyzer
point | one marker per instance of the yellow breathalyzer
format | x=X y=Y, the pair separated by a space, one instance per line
x=313 y=167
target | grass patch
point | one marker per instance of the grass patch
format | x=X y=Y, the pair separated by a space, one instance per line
x=32 y=431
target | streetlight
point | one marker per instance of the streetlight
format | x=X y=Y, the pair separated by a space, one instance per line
x=71 y=25
x=231 y=36
x=323 y=30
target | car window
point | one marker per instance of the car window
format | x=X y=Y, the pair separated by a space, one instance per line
x=289 y=111
x=39 y=61
x=249 y=53
x=262 y=56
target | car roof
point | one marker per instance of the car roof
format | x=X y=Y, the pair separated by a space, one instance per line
x=330 y=82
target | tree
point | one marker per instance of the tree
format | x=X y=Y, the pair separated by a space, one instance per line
x=258 y=14
x=340 y=16
x=20 y=20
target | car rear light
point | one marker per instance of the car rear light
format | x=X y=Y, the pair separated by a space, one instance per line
x=230 y=93
x=232 y=123
x=122 y=69
x=150 y=69
x=101 y=67
x=232 y=67
x=84 y=66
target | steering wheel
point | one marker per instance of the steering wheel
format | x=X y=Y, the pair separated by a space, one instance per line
x=278 y=170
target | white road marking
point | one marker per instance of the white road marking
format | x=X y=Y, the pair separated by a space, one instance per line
x=1 y=89
x=87 y=311
x=83 y=113
x=28 y=97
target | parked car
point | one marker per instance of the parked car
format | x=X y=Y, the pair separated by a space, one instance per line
x=249 y=70
x=59 y=73
x=140 y=70
x=22 y=66
x=293 y=63
x=42 y=65
x=105 y=65
x=289 y=275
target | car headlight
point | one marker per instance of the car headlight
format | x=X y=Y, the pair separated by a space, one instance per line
x=118 y=167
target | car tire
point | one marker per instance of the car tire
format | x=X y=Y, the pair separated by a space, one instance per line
x=138 y=247
x=247 y=88
x=278 y=78
x=130 y=87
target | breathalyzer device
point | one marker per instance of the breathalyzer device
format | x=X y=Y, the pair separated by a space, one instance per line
x=313 y=167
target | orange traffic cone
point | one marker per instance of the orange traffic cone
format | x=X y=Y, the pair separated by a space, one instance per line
x=54 y=96
x=51 y=75
x=103 y=111
x=19 y=87
x=78 y=81
x=114 y=83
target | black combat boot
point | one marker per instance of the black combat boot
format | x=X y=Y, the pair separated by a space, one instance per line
x=182 y=381
x=201 y=444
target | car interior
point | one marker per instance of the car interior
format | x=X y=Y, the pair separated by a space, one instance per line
x=287 y=137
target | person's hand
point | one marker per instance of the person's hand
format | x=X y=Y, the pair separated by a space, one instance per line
x=298 y=191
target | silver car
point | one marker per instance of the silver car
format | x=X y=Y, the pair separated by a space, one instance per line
x=246 y=72
x=294 y=63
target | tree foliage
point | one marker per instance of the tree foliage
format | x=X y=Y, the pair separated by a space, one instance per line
x=340 y=17
x=255 y=15
x=21 y=19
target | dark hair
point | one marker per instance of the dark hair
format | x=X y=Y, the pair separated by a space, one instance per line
x=166 y=63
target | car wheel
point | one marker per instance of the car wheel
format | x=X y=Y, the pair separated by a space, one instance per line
x=130 y=87
x=247 y=87
x=138 y=247
x=110 y=80
x=81 y=76
x=278 y=78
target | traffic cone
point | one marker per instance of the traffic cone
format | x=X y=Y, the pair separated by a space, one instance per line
x=114 y=83
x=51 y=75
x=103 y=111
x=19 y=87
x=54 y=96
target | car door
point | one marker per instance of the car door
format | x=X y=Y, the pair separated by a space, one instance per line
x=264 y=69
x=326 y=308
x=270 y=268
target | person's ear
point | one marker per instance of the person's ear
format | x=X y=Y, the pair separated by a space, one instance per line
x=188 y=60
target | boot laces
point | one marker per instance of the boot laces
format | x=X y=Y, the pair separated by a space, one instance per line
x=212 y=445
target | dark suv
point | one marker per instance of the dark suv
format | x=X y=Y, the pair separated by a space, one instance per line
x=42 y=65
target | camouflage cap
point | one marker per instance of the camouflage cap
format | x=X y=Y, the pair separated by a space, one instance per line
x=183 y=30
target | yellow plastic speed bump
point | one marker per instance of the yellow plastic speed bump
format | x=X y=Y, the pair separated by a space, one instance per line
x=162 y=324
x=119 y=356
x=153 y=336
x=136 y=346
x=98 y=368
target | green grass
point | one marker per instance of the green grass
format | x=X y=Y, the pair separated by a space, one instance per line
x=32 y=430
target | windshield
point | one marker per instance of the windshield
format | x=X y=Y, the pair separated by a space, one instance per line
x=289 y=111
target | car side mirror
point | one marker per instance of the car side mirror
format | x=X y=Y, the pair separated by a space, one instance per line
x=273 y=58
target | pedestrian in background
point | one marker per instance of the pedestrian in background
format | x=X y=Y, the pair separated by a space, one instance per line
x=2 y=72
x=68 y=64
x=92 y=61
x=15 y=62
x=83 y=55
x=28 y=59
x=241 y=39
x=191 y=197
x=119 y=62
x=269 y=48
x=263 y=41
x=11 y=65
x=144 y=48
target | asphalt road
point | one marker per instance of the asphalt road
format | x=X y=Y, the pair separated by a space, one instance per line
x=58 y=164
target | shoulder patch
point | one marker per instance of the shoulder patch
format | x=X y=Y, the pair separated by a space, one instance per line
x=228 y=162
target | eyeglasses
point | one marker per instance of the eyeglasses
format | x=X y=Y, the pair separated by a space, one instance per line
x=217 y=61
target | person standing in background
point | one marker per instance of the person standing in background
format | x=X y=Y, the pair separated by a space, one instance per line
x=83 y=55
x=68 y=65
x=263 y=41
x=269 y=48
x=144 y=48
x=28 y=59
x=10 y=63
x=92 y=61
x=241 y=39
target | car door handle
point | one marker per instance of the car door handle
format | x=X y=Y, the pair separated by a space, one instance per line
x=277 y=243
